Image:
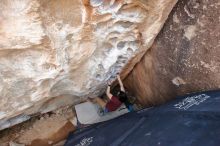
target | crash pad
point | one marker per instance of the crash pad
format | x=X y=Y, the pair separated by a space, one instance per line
x=89 y=113
x=190 y=120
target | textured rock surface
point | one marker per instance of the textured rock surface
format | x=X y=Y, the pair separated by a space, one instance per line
x=54 y=53
x=43 y=130
x=185 y=56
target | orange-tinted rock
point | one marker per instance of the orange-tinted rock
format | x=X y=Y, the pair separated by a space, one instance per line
x=185 y=56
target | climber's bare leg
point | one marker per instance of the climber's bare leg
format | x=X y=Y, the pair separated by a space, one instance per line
x=99 y=101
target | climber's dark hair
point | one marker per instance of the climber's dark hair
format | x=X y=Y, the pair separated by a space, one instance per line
x=122 y=96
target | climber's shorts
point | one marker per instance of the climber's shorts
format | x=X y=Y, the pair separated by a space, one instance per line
x=105 y=110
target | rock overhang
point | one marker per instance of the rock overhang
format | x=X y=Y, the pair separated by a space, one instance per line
x=59 y=49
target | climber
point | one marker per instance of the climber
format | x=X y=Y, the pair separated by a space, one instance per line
x=114 y=102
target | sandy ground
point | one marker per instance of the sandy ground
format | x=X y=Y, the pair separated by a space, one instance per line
x=46 y=130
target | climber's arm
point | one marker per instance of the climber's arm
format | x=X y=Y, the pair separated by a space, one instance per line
x=108 y=92
x=120 y=83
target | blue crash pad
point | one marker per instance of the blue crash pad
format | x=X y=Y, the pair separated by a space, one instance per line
x=191 y=120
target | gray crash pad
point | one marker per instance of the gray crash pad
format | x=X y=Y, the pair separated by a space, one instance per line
x=88 y=113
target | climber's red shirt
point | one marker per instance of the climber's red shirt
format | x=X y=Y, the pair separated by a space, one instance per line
x=113 y=104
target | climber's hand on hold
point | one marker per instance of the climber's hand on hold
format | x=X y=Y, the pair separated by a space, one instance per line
x=109 y=83
x=118 y=76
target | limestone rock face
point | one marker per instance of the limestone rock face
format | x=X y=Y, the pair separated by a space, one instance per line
x=54 y=53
